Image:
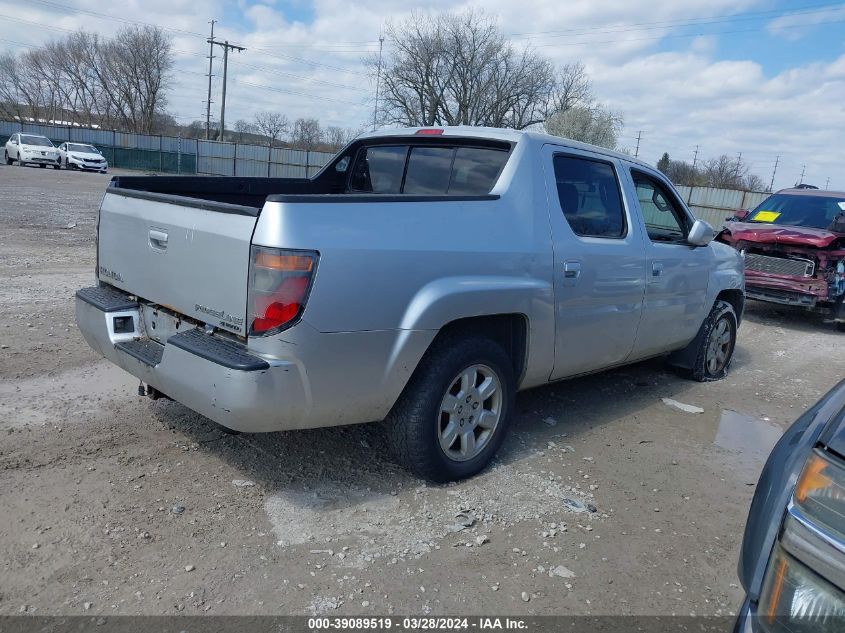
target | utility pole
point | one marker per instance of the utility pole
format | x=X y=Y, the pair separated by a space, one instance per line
x=226 y=46
x=803 y=168
x=378 y=79
x=208 y=102
x=695 y=157
x=637 y=151
x=827 y=184
x=774 y=171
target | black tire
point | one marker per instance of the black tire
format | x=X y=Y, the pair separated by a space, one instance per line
x=42 y=165
x=57 y=166
x=9 y=161
x=703 y=370
x=413 y=423
x=840 y=325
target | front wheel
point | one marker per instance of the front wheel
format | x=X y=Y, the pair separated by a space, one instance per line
x=718 y=342
x=454 y=412
x=840 y=325
x=57 y=166
x=9 y=161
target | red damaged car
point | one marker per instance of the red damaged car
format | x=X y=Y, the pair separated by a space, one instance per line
x=794 y=249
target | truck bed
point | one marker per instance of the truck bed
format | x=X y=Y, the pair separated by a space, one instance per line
x=244 y=192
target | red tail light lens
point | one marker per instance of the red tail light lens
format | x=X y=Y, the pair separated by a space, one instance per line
x=429 y=132
x=279 y=283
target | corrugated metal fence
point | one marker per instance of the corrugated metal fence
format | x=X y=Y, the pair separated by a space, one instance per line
x=171 y=154
x=714 y=205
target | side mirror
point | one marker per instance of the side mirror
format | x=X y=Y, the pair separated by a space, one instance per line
x=701 y=234
x=741 y=214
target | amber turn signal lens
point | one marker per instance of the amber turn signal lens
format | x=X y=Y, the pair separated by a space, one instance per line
x=813 y=478
x=286 y=263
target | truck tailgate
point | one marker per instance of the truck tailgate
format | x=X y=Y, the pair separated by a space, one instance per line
x=189 y=255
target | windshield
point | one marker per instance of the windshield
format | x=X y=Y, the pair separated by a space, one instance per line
x=39 y=141
x=85 y=149
x=818 y=212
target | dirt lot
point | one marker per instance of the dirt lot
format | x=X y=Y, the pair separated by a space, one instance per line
x=116 y=504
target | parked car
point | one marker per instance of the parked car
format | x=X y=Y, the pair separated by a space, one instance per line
x=793 y=245
x=422 y=276
x=81 y=156
x=31 y=148
x=792 y=562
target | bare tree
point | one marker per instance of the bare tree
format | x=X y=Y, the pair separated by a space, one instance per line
x=336 y=137
x=243 y=127
x=272 y=125
x=724 y=172
x=588 y=124
x=573 y=88
x=753 y=182
x=121 y=82
x=458 y=69
x=307 y=134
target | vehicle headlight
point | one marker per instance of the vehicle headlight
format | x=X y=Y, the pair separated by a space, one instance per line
x=796 y=600
x=795 y=596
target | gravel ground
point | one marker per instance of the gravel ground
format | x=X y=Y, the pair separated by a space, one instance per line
x=113 y=504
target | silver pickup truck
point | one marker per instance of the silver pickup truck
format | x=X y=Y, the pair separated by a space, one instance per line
x=421 y=278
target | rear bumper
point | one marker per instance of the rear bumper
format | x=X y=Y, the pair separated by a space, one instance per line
x=243 y=399
x=300 y=379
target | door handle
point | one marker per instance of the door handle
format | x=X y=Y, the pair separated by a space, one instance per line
x=571 y=272
x=656 y=269
x=158 y=240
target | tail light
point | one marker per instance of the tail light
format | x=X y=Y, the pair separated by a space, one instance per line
x=279 y=283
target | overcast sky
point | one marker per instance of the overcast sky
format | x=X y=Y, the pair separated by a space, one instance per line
x=760 y=77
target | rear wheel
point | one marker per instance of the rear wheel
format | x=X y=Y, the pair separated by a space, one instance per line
x=57 y=166
x=840 y=325
x=718 y=342
x=42 y=165
x=454 y=412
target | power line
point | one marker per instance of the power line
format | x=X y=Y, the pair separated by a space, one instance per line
x=682 y=22
x=295 y=92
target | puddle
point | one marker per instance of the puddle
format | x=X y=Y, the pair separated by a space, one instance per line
x=75 y=394
x=746 y=435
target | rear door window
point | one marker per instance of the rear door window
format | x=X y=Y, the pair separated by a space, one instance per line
x=589 y=196
x=427 y=170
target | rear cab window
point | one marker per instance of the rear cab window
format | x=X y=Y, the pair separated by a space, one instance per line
x=427 y=169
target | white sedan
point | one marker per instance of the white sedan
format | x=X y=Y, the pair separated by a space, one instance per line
x=30 y=148
x=79 y=156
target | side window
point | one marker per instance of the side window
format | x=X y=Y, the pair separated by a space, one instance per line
x=379 y=169
x=664 y=220
x=589 y=196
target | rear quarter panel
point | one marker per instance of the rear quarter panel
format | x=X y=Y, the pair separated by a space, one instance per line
x=397 y=265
